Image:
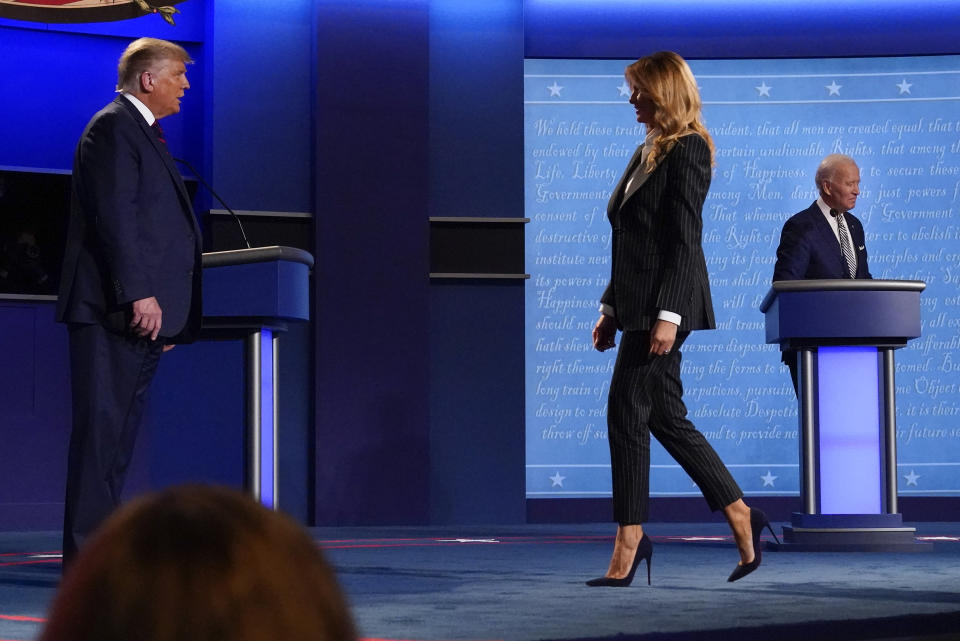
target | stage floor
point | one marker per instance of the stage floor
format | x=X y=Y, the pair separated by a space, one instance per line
x=526 y=583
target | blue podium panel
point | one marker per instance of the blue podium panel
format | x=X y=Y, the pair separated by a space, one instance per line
x=257 y=290
x=849 y=438
x=856 y=315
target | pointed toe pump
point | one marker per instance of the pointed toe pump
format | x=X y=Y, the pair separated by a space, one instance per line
x=758 y=521
x=644 y=551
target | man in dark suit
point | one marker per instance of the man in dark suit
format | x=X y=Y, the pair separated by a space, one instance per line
x=130 y=287
x=825 y=240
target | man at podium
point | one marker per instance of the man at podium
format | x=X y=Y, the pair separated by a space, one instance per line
x=824 y=240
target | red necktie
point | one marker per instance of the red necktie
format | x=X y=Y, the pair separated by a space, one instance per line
x=158 y=130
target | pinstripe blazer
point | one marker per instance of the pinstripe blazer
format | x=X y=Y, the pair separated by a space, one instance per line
x=658 y=262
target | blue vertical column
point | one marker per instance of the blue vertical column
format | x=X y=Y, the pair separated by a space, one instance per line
x=476 y=326
x=268 y=419
x=850 y=443
x=371 y=302
x=262 y=416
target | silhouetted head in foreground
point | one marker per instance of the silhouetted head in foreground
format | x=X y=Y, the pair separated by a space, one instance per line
x=198 y=563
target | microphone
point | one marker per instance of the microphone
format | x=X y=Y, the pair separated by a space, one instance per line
x=215 y=195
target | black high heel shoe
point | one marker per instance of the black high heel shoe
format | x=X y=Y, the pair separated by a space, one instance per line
x=758 y=521
x=644 y=551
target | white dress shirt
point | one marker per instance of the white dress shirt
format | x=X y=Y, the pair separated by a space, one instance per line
x=142 y=108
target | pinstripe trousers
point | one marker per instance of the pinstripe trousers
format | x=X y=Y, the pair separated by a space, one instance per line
x=646 y=395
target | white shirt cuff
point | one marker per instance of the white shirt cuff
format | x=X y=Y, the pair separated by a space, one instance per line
x=606 y=310
x=669 y=317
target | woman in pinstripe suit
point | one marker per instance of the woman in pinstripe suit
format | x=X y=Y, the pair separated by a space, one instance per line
x=659 y=292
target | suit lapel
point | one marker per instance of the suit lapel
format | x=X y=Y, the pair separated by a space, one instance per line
x=164 y=153
x=618 y=198
x=859 y=244
x=640 y=178
x=856 y=234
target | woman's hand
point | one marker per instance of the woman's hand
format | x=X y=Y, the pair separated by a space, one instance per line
x=662 y=336
x=605 y=333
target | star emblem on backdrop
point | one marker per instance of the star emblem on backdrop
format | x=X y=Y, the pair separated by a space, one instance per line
x=624 y=89
x=763 y=89
x=911 y=478
x=904 y=86
x=557 y=479
x=833 y=88
x=554 y=89
x=768 y=479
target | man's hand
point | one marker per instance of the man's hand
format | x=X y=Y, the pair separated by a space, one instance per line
x=662 y=336
x=605 y=333
x=147 y=318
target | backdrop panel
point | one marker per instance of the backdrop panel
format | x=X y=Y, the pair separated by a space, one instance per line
x=772 y=121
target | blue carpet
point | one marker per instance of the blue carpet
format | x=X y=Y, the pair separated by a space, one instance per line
x=522 y=583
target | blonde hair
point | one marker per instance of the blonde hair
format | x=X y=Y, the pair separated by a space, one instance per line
x=140 y=55
x=200 y=563
x=665 y=78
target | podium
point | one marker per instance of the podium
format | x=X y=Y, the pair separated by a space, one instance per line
x=250 y=294
x=845 y=333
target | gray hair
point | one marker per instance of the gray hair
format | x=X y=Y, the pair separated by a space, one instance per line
x=828 y=168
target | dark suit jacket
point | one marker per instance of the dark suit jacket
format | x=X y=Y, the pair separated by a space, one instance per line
x=809 y=249
x=132 y=231
x=658 y=262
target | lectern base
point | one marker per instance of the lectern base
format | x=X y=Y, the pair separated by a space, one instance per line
x=849 y=533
